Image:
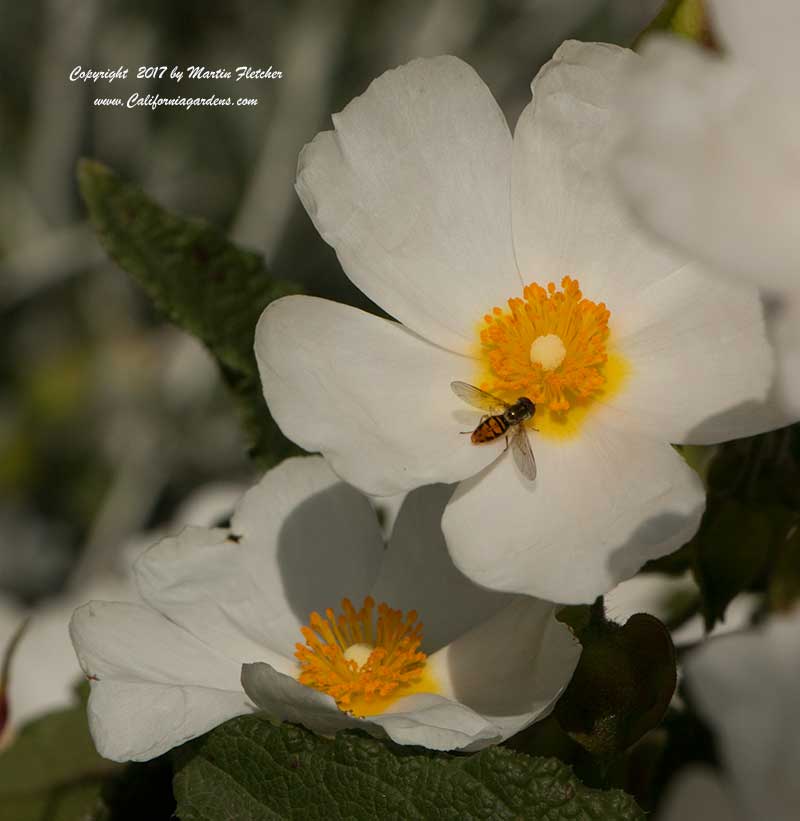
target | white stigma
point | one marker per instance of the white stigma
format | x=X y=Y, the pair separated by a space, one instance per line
x=548 y=351
x=359 y=653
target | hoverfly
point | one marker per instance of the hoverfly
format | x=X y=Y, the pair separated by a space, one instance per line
x=500 y=417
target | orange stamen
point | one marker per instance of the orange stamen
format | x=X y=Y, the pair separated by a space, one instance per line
x=391 y=663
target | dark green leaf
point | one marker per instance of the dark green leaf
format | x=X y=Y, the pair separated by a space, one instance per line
x=198 y=279
x=51 y=771
x=249 y=769
x=732 y=549
x=623 y=683
x=753 y=496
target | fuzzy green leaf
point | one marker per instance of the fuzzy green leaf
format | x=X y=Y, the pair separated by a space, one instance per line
x=250 y=769
x=198 y=279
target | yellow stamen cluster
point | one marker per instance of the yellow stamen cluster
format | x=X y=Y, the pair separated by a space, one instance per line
x=522 y=350
x=358 y=660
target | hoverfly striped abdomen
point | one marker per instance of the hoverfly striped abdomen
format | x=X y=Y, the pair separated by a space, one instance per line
x=502 y=417
x=491 y=428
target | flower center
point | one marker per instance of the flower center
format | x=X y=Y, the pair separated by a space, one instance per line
x=364 y=663
x=548 y=351
x=551 y=345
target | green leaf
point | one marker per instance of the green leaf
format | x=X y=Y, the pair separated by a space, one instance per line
x=250 y=769
x=784 y=584
x=732 y=548
x=686 y=18
x=753 y=493
x=623 y=683
x=72 y=802
x=51 y=771
x=198 y=279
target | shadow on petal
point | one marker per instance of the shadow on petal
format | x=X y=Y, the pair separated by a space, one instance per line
x=330 y=546
x=728 y=425
x=512 y=666
x=647 y=541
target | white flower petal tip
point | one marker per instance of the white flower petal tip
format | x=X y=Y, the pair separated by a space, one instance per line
x=226 y=609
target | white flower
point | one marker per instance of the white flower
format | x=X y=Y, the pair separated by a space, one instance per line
x=746 y=686
x=438 y=216
x=222 y=631
x=712 y=159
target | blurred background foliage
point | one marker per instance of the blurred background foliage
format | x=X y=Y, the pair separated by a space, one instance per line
x=108 y=415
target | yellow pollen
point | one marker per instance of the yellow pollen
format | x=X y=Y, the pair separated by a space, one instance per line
x=548 y=351
x=552 y=346
x=364 y=663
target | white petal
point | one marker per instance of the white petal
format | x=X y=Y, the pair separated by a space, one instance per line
x=659 y=595
x=300 y=540
x=283 y=698
x=153 y=684
x=418 y=573
x=198 y=581
x=739 y=615
x=210 y=504
x=709 y=162
x=511 y=668
x=763 y=36
x=371 y=396
x=130 y=641
x=700 y=362
x=412 y=192
x=745 y=684
x=437 y=723
x=137 y=721
x=783 y=327
x=698 y=794
x=568 y=218
x=601 y=506
x=425 y=719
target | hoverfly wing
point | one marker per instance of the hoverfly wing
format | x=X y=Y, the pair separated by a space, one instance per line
x=523 y=453
x=478 y=398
